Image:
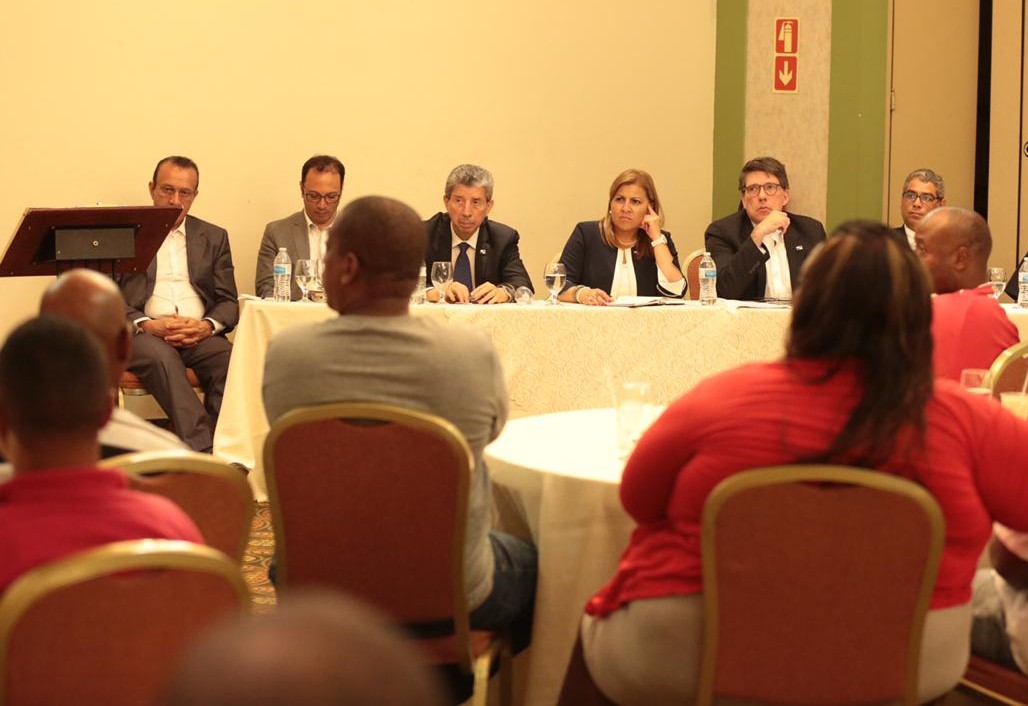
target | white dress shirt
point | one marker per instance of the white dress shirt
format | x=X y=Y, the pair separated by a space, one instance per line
x=779 y=284
x=173 y=293
x=317 y=239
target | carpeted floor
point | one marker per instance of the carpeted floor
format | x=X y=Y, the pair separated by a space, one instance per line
x=256 y=559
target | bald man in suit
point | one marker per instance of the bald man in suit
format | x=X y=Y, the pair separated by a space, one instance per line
x=181 y=308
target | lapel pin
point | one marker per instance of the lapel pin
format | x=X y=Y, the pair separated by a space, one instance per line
x=799 y=247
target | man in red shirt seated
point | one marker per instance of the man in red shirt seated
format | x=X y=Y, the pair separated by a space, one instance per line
x=969 y=327
x=54 y=400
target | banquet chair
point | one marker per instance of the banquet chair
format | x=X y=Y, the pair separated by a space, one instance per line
x=692 y=272
x=817 y=581
x=995 y=682
x=129 y=385
x=106 y=626
x=215 y=494
x=1008 y=371
x=373 y=499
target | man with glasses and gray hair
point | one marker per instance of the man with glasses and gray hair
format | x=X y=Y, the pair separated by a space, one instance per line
x=760 y=248
x=305 y=233
x=923 y=192
x=487 y=265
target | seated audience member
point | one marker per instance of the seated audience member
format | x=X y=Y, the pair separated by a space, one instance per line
x=181 y=308
x=1000 y=603
x=760 y=248
x=305 y=233
x=968 y=326
x=375 y=351
x=494 y=270
x=923 y=192
x=626 y=253
x=317 y=649
x=54 y=399
x=855 y=387
x=93 y=301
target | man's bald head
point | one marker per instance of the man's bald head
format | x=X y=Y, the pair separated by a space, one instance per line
x=379 y=243
x=94 y=302
x=955 y=245
x=317 y=648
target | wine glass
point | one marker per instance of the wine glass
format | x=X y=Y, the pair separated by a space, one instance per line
x=442 y=275
x=998 y=280
x=304 y=273
x=554 y=277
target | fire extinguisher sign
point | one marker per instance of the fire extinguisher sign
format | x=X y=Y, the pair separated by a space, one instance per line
x=787 y=41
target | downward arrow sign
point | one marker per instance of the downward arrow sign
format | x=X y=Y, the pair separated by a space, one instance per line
x=785 y=75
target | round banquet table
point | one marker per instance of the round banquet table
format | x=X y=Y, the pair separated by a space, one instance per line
x=556 y=478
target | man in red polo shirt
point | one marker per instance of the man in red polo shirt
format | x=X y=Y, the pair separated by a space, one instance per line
x=969 y=327
x=54 y=399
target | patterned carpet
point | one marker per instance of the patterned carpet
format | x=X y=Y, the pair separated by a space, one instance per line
x=256 y=559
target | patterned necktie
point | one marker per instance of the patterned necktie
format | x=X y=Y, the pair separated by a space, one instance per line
x=462 y=268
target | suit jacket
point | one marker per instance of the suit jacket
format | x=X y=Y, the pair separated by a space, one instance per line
x=901 y=235
x=740 y=263
x=1012 y=286
x=589 y=261
x=497 y=259
x=289 y=233
x=211 y=273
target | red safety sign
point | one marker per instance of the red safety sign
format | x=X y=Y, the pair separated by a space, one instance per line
x=785 y=74
x=787 y=45
x=787 y=35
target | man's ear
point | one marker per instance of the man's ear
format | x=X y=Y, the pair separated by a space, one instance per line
x=349 y=267
x=123 y=345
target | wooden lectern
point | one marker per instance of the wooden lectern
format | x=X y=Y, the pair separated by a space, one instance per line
x=109 y=239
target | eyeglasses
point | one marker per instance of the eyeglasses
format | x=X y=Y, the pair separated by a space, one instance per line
x=926 y=199
x=170 y=191
x=754 y=189
x=315 y=197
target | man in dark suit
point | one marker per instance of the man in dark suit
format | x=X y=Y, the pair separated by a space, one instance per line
x=487 y=265
x=181 y=309
x=304 y=233
x=760 y=248
x=923 y=192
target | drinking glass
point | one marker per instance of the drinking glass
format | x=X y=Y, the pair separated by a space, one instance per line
x=554 y=277
x=635 y=407
x=316 y=287
x=998 y=280
x=442 y=275
x=304 y=273
x=976 y=381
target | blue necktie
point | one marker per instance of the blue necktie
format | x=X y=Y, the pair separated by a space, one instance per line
x=462 y=267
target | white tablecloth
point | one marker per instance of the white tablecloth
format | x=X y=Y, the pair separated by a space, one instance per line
x=554 y=358
x=558 y=474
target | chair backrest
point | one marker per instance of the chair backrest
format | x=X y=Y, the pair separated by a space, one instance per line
x=373 y=499
x=106 y=626
x=817 y=581
x=692 y=272
x=1008 y=371
x=214 y=494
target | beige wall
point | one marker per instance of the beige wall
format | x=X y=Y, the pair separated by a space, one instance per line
x=554 y=98
x=792 y=126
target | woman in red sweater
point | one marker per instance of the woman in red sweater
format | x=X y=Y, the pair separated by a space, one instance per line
x=855 y=388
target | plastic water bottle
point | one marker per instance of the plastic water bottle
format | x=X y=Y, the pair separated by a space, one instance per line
x=708 y=280
x=418 y=295
x=1022 y=285
x=283 y=273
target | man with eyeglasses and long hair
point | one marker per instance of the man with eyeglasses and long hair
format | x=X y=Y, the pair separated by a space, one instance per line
x=923 y=192
x=305 y=233
x=760 y=248
x=181 y=308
